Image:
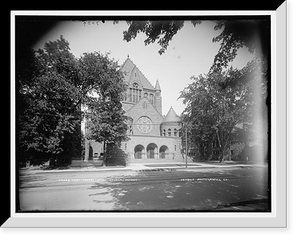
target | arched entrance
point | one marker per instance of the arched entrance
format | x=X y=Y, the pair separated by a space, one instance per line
x=163 y=152
x=138 y=151
x=152 y=151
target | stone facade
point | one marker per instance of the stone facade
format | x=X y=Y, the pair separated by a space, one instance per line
x=153 y=147
x=151 y=135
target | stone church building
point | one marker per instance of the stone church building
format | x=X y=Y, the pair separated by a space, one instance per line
x=152 y=135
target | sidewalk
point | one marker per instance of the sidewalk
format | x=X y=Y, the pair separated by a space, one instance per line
x=147 y=166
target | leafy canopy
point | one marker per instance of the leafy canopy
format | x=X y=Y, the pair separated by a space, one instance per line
x=49 y=114
x=235 y=34
x=226 y=113
x=106 y=119
x=51 y=93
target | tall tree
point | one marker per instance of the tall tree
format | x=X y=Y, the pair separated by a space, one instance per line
x=106 y=119
x=216 y=110
x=48 y=112
x=51 y=93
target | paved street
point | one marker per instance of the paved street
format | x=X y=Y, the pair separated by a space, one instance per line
x=156 y=189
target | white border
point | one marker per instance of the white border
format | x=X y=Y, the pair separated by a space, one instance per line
x=139 y=13
x=12 y=117
x=277 y=218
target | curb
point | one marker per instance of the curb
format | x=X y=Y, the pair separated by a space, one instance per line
x=81 y=170
x=158 y=170
x=142 y=168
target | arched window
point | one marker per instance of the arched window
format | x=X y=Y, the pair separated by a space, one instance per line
x=164 y=132
x=151 y=99
x=135 y=93
x=175 y=132
x=169 y=132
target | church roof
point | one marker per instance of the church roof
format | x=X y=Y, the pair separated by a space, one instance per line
x=172 y=116
x=128 y=68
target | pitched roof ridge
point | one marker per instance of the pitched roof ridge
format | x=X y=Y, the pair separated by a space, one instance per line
x=122 y=65
x=171 y=116
x=143 y=75
x=146 y=83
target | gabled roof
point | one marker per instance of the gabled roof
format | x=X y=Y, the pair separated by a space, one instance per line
x=171 y=116
x=129 y=68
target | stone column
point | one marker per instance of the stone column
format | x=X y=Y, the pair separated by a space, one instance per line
x=144 y=154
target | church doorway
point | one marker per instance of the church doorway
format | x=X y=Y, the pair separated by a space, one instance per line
x=163 y=152
x=138 y=151
x=151 y=151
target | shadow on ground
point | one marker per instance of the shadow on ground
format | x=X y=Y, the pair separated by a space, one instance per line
x=226 y=190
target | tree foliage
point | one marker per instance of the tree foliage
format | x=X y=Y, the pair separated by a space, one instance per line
x=106 y=119
x=162 y=31
x=51 y=92
x=252 y=34
x=216 y=111
x=49 y=116
x=235 y=34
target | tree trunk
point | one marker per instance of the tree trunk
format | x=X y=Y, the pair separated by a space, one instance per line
x=219 y=140
x=104 y=152
x=221 y=145
x=223 y=136
x=221 y=156
x=209 y=151
x=199 y=154
x=87 y=150
x=247 y=150
x=224 y=150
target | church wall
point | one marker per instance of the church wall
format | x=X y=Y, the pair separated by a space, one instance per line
x=158 y=102
x=143 y=100
x=144 y=108
x=174 y=127
x=173 y=145
x=127 y=105
x=95 y=149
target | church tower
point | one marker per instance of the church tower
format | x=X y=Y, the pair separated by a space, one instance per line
x=151 y=135
x=158 y=98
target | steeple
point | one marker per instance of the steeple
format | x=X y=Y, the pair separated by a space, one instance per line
x=157 y=86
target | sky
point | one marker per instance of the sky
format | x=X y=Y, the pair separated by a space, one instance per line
x=190 y=52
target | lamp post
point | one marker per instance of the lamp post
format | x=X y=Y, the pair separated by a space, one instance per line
x=184 y=126
x=186 y=149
